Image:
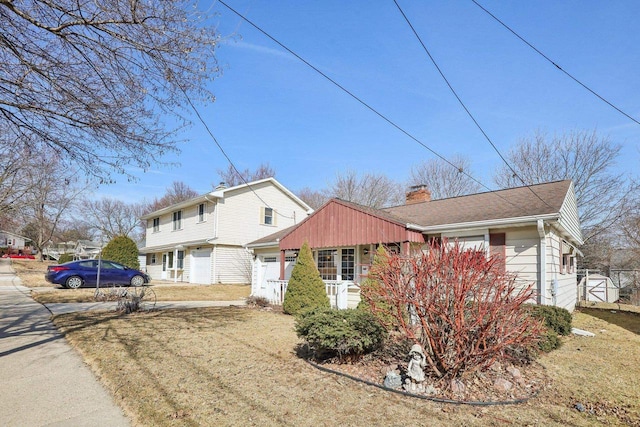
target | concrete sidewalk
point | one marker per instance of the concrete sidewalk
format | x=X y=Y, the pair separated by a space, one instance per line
x=44 y=381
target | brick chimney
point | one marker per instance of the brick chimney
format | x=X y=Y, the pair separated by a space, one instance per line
x=417 y=194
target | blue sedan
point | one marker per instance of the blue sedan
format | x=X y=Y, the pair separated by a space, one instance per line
x=75 y=274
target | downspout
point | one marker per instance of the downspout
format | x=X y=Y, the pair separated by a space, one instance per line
x=543 y=263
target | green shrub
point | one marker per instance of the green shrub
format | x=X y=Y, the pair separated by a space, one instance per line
x=123 y=250
x=305 y=290
x=558 y=322
x=555 y=318
x=65 y=258
x=348 y=334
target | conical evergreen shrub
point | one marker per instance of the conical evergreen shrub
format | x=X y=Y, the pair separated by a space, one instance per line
x=306 y=289
x=123 y=250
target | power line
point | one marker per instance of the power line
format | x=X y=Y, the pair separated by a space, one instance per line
x=555 y=64
x=362 y=102
x=463 y=104
x=224 y=153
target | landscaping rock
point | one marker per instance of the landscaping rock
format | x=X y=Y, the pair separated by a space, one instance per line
x=579 y=407
x=515 y=372
x=392 y=380
x=457 y=386
x=502 y=385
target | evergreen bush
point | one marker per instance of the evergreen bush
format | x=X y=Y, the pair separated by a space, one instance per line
x=555 y=318
x=65 y=258
x=305 y=290
x=123 y=250
x=558 y=322
x=348 y=334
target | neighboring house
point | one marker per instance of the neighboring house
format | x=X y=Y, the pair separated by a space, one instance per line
x=54 y=250
x=13 y=243
x=202 y=239
x=86 y=249
x=535 y=230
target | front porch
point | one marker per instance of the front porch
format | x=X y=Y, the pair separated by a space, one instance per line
x=341 y=294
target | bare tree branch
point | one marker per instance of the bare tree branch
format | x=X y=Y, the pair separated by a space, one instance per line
x=442 y=180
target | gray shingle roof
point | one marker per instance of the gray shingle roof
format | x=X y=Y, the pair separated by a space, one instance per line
x=540 y=199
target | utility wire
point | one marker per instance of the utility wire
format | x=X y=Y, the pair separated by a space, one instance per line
x=224 y=153
x=369 y=107
x=555 y=64
x=453 y=91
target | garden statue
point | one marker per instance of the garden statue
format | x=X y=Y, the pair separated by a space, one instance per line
x=418 y=362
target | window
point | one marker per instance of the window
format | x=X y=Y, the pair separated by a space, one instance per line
x=153 y=259
x=327 y=264
x=170 y=260
x=201 y=212
x=180 y=261
x=156 y=225
x=270 y=259
x=268 y=216
x=348 y=264
x=177 y=220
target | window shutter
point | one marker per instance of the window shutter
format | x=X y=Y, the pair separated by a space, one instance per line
x=274 y=219
x=497 y=244
x=262 y=215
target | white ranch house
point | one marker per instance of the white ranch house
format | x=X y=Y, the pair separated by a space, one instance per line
x=535 y=230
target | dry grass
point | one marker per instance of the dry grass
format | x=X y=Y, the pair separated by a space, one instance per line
x=31 y=272
x=163 y=293
x=237 y=366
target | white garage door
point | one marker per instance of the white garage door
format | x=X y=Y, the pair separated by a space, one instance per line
x=201 y=267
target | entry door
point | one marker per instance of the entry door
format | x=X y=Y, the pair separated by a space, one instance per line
x=163 y=275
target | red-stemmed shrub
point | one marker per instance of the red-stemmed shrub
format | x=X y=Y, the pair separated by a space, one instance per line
x=460 y=305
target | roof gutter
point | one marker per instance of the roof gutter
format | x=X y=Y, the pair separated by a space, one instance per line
x=533 y=219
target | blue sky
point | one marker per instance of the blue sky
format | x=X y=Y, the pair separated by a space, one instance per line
x=270 y=107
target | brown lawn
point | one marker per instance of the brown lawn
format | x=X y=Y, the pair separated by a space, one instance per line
x=237 y=366
x=32 y=273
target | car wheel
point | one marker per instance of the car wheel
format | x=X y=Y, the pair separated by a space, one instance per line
x=73 y=282
x=137 y=281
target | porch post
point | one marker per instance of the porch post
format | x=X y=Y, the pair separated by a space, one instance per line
x=282 y=261
x=406 y=247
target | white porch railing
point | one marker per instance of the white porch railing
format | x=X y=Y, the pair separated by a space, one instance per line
x=337 y=291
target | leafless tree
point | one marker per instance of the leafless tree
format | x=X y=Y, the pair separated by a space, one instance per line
x=111 y=217
x=444 y=180
x=369 y=189
x=231 y=177
x=52 y=190
x=603 y=195
x=176 y=193
x=89 y=79
x=313 y=198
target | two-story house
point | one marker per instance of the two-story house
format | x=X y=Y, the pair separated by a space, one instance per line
x=202 y=239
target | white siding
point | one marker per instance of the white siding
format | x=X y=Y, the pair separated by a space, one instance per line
x=192 y=230
x=566 y=288
x=232 y=265
x=240 y=214
x=569 y=219
x=522 y=254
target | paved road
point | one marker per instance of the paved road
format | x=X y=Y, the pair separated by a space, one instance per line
x=43 y=381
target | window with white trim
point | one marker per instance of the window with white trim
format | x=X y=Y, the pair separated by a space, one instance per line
x=156 y=225
x=177 y=220
x=201 y=211
x=180 y=260
x=267 y=216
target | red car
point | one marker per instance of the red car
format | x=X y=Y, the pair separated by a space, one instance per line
x=16 y=256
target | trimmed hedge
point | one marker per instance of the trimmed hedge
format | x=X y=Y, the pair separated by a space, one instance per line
x=348 y=334
x=123 y=250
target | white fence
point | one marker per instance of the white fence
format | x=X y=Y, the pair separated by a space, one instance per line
x=337 y=291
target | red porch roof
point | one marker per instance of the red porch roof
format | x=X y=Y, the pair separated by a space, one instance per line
x=339 y=223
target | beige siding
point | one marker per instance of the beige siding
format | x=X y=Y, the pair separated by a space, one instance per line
x=192 y=229
x=232 y=265
x=569 y=219
x=240 y=214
